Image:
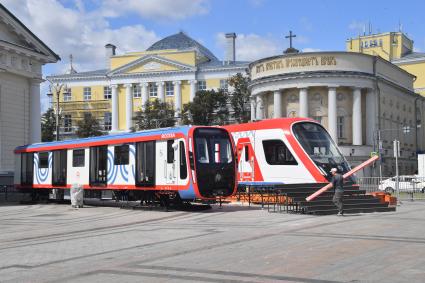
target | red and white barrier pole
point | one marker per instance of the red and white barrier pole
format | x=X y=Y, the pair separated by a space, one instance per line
x=345 y=176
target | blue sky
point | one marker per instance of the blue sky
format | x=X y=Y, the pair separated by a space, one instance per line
x=84 y=27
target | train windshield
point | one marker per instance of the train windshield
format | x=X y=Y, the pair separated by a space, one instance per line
x=215 y=165
x=320 y=147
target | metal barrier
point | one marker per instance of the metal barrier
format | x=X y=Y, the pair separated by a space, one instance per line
x=409 y=187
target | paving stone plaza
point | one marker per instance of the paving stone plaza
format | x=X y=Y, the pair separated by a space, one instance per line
x=56 y=243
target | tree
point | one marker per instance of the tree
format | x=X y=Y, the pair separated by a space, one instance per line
x=209 y=107
x=240 y=98
x=88 y=127
x=157 y=114
x=48 y=126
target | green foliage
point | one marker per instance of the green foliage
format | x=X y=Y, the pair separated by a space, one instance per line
x=88 y=127
x=157 y=114
x=48 y=125
x=209 y=107
x=240 y=98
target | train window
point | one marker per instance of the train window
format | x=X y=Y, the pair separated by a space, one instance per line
x=170 y=151
x=202 y=150
x=277 y=153
x=78 y=158
x=183 y=164
x=121 y=154
x=246 y=153
x=43 y=160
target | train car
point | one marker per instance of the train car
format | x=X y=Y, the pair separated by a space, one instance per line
x=188 y=162
x=285 y=151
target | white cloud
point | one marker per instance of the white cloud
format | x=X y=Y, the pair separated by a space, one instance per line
x=251 y=46
x=73 y=30
x=160 y=10
x=309 y=49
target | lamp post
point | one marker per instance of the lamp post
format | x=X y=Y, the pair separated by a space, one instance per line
x=406 y=129
x=55 y=89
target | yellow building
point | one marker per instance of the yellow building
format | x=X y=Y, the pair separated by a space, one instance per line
x=395 y=47
x=172 y=70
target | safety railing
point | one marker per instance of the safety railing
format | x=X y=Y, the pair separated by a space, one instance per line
x=407 y=187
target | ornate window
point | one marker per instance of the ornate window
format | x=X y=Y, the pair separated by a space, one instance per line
x=202 y=85
x=67 y=123
x=87 y=93
x=67 y=96
x=107 y=92
x=107 y=121
x=169 y=88
x=137 y=91
x=224 y=85
x=153 y=90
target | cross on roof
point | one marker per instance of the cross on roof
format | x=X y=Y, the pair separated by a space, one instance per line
x=290 y=36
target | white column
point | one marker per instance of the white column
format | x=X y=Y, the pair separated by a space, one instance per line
x=277 y=104
x=177 y=98
x=35 y=115
x=128 y=107
x=145 y=95
x=357 y=116
x=303 y=102
x=371 y=115
x=253 y=106
x=332 y=114
x=192 y=90
x=114 y=107
x=260 y=107
x=161 y=93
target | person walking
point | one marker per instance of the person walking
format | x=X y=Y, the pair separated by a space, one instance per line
x=338 y=184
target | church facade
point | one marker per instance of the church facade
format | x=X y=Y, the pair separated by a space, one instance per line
x=22 y=55
x=365 y=102
x=171 y=70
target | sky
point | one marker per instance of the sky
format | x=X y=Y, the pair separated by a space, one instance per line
x=82 y=28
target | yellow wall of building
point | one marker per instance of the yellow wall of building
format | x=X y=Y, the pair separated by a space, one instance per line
x=188 y=58
x=185 y=88
x=417 y=69
x=394 y=45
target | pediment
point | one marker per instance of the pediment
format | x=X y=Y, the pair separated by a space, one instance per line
x=151 y=63
x=15 y=34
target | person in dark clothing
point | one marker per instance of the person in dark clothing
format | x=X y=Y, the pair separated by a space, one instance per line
x=338 y=184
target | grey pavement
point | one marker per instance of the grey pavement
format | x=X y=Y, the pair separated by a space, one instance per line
x=56 y=243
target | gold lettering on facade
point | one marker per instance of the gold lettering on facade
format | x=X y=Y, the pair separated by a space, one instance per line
x=296 y=62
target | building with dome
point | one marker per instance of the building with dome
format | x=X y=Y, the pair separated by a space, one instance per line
x=172 y=70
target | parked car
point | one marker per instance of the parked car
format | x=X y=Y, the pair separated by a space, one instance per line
x=406 y=184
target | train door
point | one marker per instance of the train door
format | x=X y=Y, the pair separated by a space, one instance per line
x=59 y=167
x=181 y=160
x=145 y=164
x=98 y=166
x=246 y=161
x=170 y=165
x=27 y=169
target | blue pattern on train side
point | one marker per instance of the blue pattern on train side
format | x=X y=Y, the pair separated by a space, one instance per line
x=41 y=174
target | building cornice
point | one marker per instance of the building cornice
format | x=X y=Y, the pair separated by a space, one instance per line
x=327 y=74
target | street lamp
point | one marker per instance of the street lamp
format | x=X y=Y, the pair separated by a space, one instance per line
x=55 y=89
x=405 y=129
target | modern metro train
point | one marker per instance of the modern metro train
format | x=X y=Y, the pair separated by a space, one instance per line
x=191 y=162
x=285 y=151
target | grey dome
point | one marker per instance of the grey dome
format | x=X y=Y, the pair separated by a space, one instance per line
x=181 y=41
